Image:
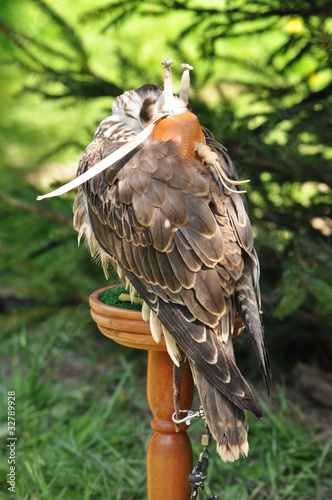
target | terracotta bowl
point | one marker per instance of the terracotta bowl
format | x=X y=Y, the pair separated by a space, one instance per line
x=124 y=326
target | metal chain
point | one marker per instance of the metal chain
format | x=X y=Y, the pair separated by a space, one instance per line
x=199 y=474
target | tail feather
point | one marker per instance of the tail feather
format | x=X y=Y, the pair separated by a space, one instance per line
x=227 y=423
x=225 y=416
x=247 y=304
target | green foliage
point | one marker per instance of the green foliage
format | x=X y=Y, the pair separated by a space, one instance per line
x=261 y=83
x=284 y=463
x=80 y=421
x=83 y=424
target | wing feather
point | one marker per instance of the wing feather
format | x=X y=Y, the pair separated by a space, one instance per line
x=157 y=192
x=180 y=269
x=161 y=231
x=200 y=218
x=165 y=267
x=185 y=245
x=175 y=208
x=209 y=292
x=139 y=180
x=143 y=209
x=187 y=253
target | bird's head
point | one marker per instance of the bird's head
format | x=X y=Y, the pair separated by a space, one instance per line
x=138 y=108
x=137 y=111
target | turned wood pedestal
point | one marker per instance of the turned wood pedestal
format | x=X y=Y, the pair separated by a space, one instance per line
x=169 y=454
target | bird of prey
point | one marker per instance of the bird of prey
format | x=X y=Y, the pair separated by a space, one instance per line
x=171 y=217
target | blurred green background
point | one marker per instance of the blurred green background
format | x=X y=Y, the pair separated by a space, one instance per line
x=262 y=84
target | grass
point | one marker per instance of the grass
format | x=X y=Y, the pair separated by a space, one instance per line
x=287 y=459
x=83 y=424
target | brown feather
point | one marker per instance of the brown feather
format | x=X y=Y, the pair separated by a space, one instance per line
x=154 y=264
x=145 y=264
x=126 y=192
x=175 y=208
x=164 y=170
x=137 y=226
x=148 y=165
x=143 y=209
x=200 y=218
x=161 y=231
x=200 y=185
x=138 y=262
x=166 y=270
x=139 y=181
x=188 y=255
x=197 y=310
x=210 y=251
x=209 y=292
x=128 y=251
x=111 y=174
x=180 y=269
x=227 y=423
x=145 y=238
x=157 y=192
x=181 y=178
x=226 y=282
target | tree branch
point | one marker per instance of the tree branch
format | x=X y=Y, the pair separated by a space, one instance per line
x=13 y=202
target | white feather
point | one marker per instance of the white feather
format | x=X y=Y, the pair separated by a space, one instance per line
x=145 y=312
x=155 y=326
x=172 y=348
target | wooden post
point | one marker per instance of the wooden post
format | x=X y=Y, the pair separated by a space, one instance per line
x=169 y=454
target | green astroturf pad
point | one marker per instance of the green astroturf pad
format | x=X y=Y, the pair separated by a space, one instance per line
x=111 y=298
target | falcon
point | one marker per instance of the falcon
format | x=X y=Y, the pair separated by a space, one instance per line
x=170 y=215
